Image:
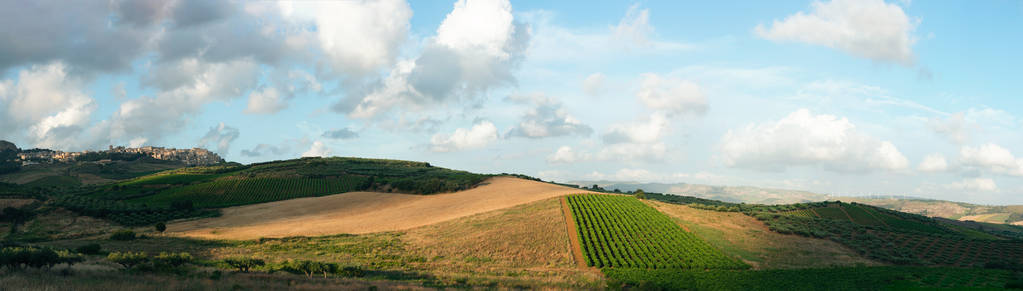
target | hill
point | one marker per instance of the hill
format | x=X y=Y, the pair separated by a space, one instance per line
x=742 y=194
x=365 y=212
x=1009 y=214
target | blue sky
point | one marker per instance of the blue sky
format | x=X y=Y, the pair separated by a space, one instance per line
x=917 y=98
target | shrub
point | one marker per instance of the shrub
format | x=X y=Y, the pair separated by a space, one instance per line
x=244 y=264
x=124 y=234
x=173 y=260
x=89 y=249
x=128 y=260
x=18 y=257
x=160 y=226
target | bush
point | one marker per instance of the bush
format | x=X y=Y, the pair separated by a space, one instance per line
x=128 y=260
x=123 y=235
x=244 y=264
x=160 y=226
x=172 y=260
x=89 y=249
x=18 y=257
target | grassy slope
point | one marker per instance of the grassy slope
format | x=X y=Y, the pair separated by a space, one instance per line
x=741 y=236
x=522 y=246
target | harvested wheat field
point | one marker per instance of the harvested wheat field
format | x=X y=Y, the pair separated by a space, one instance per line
x=365 y=212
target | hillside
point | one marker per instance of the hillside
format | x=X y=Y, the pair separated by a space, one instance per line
x=946 y=209
x=365 y=212
x=732 y=194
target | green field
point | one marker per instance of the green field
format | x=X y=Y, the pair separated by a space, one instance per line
x=622 y=232
x=231 y=192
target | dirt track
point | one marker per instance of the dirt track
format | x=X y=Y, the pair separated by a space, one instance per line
x=364 y=212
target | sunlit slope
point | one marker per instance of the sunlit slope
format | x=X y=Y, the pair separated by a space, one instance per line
x=365 y=212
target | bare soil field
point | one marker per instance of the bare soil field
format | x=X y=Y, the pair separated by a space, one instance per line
x=365 y=212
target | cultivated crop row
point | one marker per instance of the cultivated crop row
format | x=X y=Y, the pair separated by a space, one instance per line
x=622 y=232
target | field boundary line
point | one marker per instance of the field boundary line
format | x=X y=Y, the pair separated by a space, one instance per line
x=815 y=213
x=846 y=213
x=868 y=211
x=573 y=234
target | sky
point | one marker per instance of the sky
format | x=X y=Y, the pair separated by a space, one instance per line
x=844 y=97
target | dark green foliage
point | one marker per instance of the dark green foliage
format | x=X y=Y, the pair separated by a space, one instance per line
x=244 y=264
x=128 y=260
x=858 y=278
x=232 y=192
x=160 y=226
x=8 y=154
x=622 y=232
x=129 y=214
x=89 y=249
x=123 y=235
x=310 y=268
x=31 y=257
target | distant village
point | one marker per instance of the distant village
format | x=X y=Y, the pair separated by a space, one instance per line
x=191 y=157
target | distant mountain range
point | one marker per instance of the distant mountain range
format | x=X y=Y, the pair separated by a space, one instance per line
x=1012 y=214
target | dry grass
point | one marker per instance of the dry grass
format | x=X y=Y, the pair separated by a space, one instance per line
x=365 y=212
x=526 y=242
x=14 y=202
x=57 y=224
x=741 y=236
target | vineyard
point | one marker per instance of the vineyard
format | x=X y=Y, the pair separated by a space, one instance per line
x=860 y=278
x=233 y=192
x=622 y=232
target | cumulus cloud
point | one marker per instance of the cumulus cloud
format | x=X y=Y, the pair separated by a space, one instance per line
x=476 y=48
x=220 y=136
x=546 y=118
x=48 y=104
x=671 y=96
x=593 y=85
x=343 y=133
x=933 y=163
x=992 y=158
x=648 y=131
x=358 y=37
x=869 y=29
x=566 y=155
x=478 y=136
x=318 y=149
x=802 y=138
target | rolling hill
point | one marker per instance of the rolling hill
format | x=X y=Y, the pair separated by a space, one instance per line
x=369 y=223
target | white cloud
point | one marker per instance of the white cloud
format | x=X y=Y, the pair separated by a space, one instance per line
x=635 y=27
x=477 y=47
x=566 y=155
x=485 y=25
x=546 y=118
x=358 y=37
x=48 y=104
x=974 y=184
x=266 y=101
x=220 y=136
x=318 y=149
x=993 y=158
x=953 y=127
x=671 y=96
x=649 y=131
x=802 y=138
x=933 y=163
x=480 y=135
x=593 y=85
x=870 y=29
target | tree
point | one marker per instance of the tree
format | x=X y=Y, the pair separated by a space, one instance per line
x=128 y=259
x=161 y=227
x=640 y=194
x=244 y=264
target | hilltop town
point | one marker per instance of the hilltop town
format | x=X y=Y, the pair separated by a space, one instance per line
x=190 y=157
